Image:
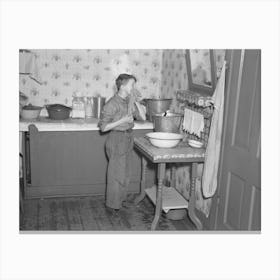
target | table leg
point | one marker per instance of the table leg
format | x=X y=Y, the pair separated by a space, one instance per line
x=143 y=181
x=191 y=207
x=160 y=175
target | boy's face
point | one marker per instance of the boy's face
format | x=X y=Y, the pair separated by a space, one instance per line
x=128 y=87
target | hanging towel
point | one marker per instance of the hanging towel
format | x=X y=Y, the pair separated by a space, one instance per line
x=193 y=122
x=212 y=154
x=28 y=65
x=23 y=58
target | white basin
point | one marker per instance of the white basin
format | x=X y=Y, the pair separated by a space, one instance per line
x=164 y=139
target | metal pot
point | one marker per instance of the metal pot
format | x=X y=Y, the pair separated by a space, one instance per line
x=157 y=106
x=58 y=111
x=98 y=104
x=167 y=123
x=30 y=112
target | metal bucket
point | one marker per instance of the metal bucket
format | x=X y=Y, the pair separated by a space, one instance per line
x=169 y=123
x=157 y=106
x=98 y=104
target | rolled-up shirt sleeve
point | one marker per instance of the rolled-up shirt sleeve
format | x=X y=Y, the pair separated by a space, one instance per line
x=107 y=115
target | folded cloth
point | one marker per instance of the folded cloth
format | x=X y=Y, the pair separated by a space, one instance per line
x=187 y=120
x=193 y=122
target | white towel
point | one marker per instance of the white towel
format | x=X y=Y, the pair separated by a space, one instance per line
x=212 y=154
x=193 y=122
x=28 y=65
x=24 y=57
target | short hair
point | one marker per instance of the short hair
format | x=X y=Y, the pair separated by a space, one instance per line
x=123 y=79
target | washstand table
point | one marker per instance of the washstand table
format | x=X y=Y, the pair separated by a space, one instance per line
x=160 y=156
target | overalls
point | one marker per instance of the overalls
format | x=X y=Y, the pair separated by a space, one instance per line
x=119 y=145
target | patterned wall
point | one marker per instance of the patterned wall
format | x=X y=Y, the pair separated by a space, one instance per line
x=174 y=72
x=91 y=72
x=159 y=72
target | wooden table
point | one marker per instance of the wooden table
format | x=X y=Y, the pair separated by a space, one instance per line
x=161 y=156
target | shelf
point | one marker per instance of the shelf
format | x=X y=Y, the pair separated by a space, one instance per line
x=171 y=198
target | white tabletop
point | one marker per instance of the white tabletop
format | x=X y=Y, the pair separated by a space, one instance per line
x=46 y=124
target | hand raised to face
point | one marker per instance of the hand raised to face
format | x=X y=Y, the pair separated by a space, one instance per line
x=136 y=94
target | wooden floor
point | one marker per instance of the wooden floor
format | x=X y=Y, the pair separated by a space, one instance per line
x=90 y=214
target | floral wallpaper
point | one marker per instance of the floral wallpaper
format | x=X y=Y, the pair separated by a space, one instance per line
x=159 y=72
x=92 y=72
x=174 y=72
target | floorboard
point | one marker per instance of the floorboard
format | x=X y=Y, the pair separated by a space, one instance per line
x=44 y=215
x=88 y=219
x=90 y=214
x=61 y=216
x=29 y=219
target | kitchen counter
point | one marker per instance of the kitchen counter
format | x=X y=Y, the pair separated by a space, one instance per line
x=46 y=124
x=67 y=158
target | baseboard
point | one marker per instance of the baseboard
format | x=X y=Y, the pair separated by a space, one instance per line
x=72 y=190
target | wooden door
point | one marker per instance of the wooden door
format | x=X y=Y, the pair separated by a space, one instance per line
x=239 y=192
